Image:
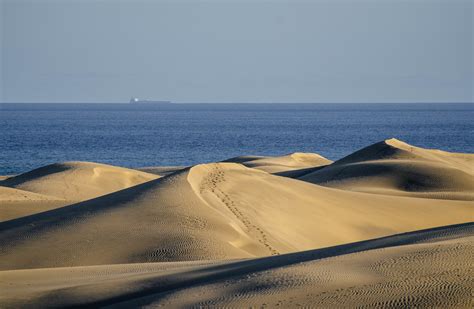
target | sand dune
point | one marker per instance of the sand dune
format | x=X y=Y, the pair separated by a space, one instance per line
x=238 y=234
x=294 y=161
x=429 y=268
x=396 y=149
x=213 y=211
x=62 y=184
x=395 y=168
x=77 y=181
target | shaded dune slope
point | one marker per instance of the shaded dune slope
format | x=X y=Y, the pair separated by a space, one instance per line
x=434 y=265
x=395 y=168
x=293 y=161
x=77 y=181
x=212 y=211
x=161 y=170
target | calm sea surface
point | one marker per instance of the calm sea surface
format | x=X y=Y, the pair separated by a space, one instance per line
x=33 y=135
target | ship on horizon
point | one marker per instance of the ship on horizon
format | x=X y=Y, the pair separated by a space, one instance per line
x=135 y=100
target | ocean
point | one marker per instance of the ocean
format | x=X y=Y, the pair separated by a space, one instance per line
x=33 y=135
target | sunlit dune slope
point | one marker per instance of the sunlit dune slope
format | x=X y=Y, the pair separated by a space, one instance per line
x=17 y=195
x=213 y=211
x=395 y=168
x=15 y=203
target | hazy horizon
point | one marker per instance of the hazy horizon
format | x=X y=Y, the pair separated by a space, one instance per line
x=340 y=51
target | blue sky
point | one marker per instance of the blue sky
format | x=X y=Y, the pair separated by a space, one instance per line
x=237 y=51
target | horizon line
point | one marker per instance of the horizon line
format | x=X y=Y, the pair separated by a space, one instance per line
x=197 y=102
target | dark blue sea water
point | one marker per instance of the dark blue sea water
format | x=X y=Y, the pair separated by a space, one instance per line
x=33 y=135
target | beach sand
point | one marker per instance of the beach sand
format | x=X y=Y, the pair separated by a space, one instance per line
x=389 y=225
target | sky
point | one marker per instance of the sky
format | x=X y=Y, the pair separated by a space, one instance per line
x=236 y=51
